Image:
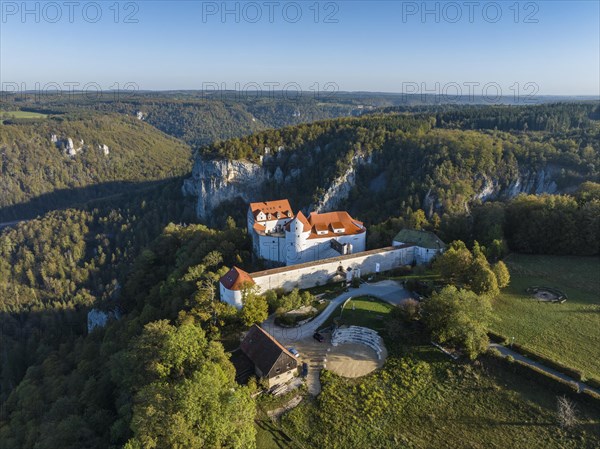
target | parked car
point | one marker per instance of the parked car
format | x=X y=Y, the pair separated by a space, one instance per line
x=317 y=336
x=294 y=352
x=304 y=369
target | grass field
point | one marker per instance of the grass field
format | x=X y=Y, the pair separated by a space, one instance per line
x=361 y=311
x=569 y=332
x=459 y=406
x=21 y=114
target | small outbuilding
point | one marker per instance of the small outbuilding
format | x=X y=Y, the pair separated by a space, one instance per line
x=426 y=245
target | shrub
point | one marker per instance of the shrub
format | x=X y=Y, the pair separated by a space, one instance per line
x=494 y=352
x=592 y=382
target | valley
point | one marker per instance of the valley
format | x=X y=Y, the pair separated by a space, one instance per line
x=146 y=232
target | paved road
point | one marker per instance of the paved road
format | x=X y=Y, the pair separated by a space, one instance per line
x=314 y=353
x=505 y=352
x=389 y=291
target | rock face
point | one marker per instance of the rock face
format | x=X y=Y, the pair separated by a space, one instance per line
x=528 y=182
x=70 y=149
x=337 y=192
x=340 y=188
x=99 y=318
x=216 y=181
x=533 y=182
x=104 y=149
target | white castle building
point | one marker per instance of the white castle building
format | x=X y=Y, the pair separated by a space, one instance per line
x=281 y=237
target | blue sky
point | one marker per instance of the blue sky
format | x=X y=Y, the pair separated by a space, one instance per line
x=369 y=46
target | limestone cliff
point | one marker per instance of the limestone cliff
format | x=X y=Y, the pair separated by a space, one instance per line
x=215 y=181
x=339 y=190
x=529 y=181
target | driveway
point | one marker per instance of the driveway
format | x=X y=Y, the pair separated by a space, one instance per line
x=314 y=353
x=389 y=291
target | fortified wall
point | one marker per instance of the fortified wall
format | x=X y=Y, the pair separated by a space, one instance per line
x=324 y=271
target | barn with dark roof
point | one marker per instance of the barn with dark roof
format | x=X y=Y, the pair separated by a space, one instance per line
x=270 y=359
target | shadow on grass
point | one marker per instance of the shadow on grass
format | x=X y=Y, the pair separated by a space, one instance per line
x=490 y=422
x=274 y=435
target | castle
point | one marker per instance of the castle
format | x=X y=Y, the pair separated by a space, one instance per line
x=317 y=250
x=283 y=238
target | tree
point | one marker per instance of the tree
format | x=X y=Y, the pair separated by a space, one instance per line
x=417 y=220
x=455 y=262
x=185 y=392
x=497 y=249
x=408 y=310
x=483 y=280
x=255 y=308
x=566 y=412
x=502 y=274
x=458 y=317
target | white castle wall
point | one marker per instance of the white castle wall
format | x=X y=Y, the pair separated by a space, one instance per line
x=231 y=297
x=310 y=274
x=309 y=250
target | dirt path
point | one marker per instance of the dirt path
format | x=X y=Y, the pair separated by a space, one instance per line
x=281 y=410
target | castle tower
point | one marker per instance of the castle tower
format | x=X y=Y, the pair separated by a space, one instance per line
x=296 y=235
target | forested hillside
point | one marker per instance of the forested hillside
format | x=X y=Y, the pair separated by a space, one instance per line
x=115 y=150
x=55 y=268
x=159 y=376
x=402 y=161
x=200 y=118
x=109 y=389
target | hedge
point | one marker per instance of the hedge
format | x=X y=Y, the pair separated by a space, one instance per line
x=571 y=372
x=593 y=382
x=531 y=372
x=592 y=394
x=497 y=338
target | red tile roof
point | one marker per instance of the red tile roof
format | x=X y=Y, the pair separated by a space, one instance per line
x=334 y=220
x=272 y=207
x=302 y=219
x=259 y=228
x=235 y=279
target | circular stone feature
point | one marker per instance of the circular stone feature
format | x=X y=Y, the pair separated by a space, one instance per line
x=547 y=294
x=354 y=360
